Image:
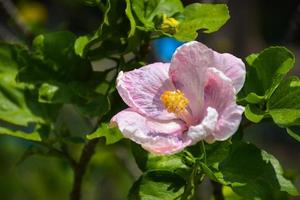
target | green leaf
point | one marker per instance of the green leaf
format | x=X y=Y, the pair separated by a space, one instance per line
x=83 y=43
x=148 y=161
x=54 y=93
x=13 y=107
x=112 y=135
x=294 y=131
x=146 y=11
x=111 y=38
x=251 y=58
x=253 y=113
x=35 y=136
x=229 y=194
x=61 y=76
x=157 y=185
x=284 y=104
x=254 y=174
x=16 y=114
x=209 y=17
x=86 y=98
x=253 y=98
x=266 y=71
x=97 y=106
x=80 y=45
x=54 y=58
x=217 y=152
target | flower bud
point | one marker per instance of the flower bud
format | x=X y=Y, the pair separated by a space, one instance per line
x=169 y=25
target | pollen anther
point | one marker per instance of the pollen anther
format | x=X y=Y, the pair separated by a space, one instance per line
x=174 y=101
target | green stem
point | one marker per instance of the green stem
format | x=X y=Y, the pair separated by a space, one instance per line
x=203 y=150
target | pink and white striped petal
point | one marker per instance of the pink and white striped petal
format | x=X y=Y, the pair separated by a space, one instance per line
x=141 y=89
x=220 y=95
x=187 y=71
x=232 y=67
x=159 y=137
x=205 y=128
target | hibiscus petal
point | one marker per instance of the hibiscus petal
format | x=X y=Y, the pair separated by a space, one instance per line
x=141 y=89
x=220 y=94
x=205 y=128
x=159 y=137
x=187 y=71
x=232 y=67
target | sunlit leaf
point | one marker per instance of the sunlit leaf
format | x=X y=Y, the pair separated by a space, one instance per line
x=112 y=135
x=157 y=185
x=197 y=16
x=146 y=11
x=266 y=70
x=294 y=131
x=284 y=104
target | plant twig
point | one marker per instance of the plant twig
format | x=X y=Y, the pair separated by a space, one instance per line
x=6 y=34
x=144 y=48
x=81 y=166
x=217 y=190
x=59 y=153
x=12 y=11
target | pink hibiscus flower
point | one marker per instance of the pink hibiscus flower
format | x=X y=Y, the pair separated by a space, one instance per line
x=173 y=105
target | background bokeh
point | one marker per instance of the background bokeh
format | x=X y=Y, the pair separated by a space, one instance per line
x=254 y=25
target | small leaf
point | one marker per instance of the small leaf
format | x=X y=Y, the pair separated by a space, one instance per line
x=34 y=136
x=209 y=17
x=294 y=131
x=80 y=45
x=112 y=135
x=254 y=98
x=146 y=11
x=253 y=113
x=157 y=185
x=284 y=104
x=229 y=194
x=54 y=93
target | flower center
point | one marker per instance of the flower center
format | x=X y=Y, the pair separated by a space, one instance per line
x=169 y=25
x=174 y=101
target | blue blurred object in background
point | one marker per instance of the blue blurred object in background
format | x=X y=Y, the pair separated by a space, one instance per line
x=165 y=47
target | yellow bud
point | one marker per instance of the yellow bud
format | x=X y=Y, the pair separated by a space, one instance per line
x=33 y=12
x=169 y=25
